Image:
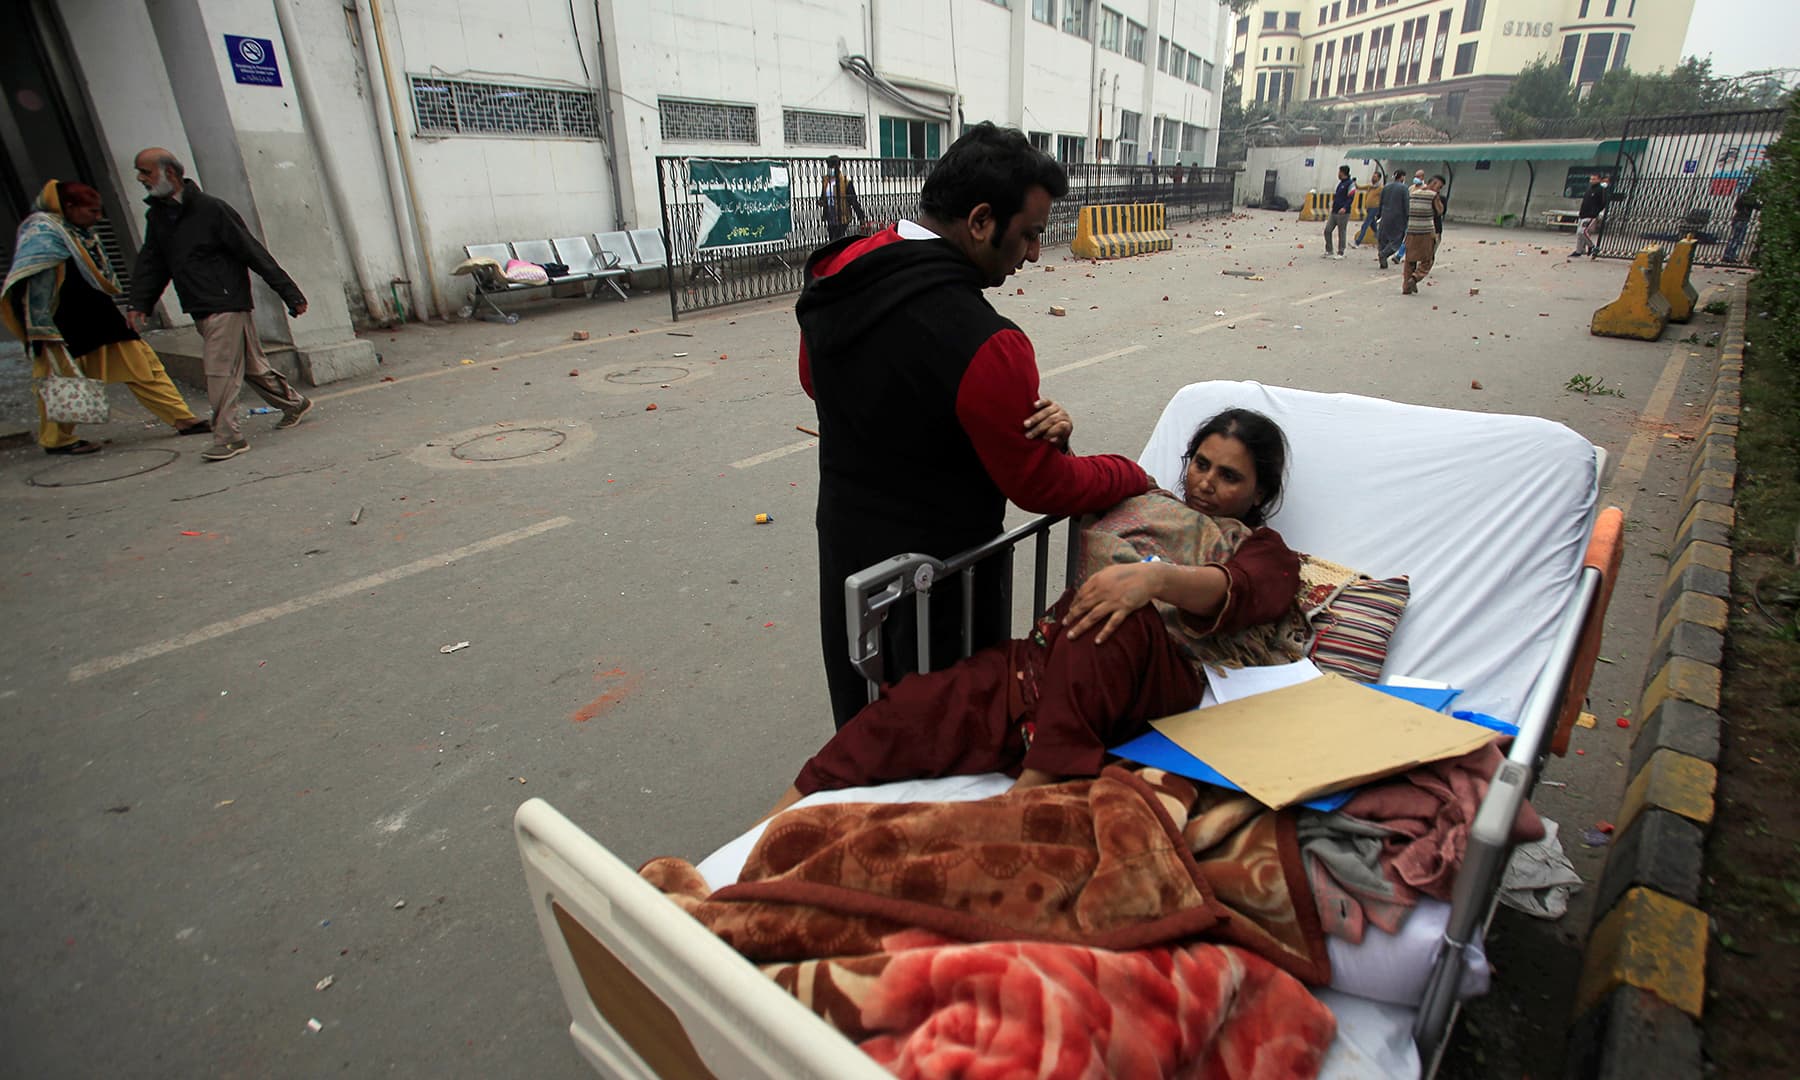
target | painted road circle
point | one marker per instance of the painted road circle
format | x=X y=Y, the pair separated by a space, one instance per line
x=101 y=468
x=648 y=375
x=510 y=444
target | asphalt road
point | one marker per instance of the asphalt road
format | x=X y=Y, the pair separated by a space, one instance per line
x=237 y=761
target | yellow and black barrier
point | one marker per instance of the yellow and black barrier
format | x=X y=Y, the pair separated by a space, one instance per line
x=1674 y=283
x=1115 y=230
x=1316 y=206
x=1640 y=311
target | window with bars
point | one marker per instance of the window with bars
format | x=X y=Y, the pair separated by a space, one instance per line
x=1134 y=41
x=1071 y=149
x=685 y=120
x=803 y=127
x=444 y=106
x=1439 y=46
x=1040 y=140
x=1177 y=61
x=1130 y=124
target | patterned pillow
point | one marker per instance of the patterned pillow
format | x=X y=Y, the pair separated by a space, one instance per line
x=1353 y=630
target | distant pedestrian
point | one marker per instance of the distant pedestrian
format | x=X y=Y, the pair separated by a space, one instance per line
x=1371 y=200
x=1421 y=236
x=1390 y=233
x=1743 y=212
x=1438 y=184
x=1588 y=218
x=57 y=299
x=202 y=244
x=838 y=201
x=1340 y=212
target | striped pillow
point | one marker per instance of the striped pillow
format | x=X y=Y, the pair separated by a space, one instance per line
x=1352 y=632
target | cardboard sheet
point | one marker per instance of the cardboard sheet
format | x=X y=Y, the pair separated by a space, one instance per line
x=1325 y=734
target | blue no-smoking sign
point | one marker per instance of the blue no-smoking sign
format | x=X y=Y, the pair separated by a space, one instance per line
x=253 y=60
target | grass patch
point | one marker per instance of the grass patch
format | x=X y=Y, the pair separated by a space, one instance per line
x=1752 y=887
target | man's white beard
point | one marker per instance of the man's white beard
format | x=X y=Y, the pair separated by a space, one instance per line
x=164 y=187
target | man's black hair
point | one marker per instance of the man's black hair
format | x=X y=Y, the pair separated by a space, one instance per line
x=993 y=165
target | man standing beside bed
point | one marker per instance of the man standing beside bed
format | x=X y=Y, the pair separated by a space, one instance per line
x=929 y=413
x=1169 y=583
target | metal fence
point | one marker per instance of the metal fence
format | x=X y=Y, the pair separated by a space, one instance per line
x=1690 y=175
x=712 y=264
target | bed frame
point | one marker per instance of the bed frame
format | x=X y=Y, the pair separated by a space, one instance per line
x=652 y=993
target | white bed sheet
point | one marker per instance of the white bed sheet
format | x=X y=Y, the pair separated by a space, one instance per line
x=1488 y=514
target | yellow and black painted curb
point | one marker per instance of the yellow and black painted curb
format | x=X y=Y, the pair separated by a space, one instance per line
x=1643 y=981
x=1115 y=230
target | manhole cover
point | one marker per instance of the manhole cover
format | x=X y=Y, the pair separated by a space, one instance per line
x=102 y=467
x=509 y=444
x=649 y=375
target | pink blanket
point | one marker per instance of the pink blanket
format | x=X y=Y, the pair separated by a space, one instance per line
x=1432 y=808
x=928 y=1007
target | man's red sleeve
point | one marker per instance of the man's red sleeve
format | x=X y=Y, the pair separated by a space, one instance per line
x=997 y=394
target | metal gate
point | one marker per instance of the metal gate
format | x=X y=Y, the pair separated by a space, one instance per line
x=1691 y=175
x=741 y=228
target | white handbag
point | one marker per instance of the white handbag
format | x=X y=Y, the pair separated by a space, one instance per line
x=71 y=398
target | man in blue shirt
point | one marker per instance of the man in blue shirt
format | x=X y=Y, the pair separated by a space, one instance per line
x=1340 y=212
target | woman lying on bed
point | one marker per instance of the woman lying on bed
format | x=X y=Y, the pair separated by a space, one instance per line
x=1168 y=584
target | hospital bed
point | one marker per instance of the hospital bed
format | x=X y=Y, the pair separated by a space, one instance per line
x=1495 y=520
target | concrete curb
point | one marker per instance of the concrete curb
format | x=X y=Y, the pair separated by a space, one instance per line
x=1643 y=978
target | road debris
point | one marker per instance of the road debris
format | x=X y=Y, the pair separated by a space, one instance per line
x=398 y=904
x=579 y=335
x=1475 y=384
x=1060 y=311
x=807 y=430
x=680 y=333
x=314 y=1026
x=458 y=647
x=679 y=355
x=1586 y=719
x=325 y=983
x=650 y=407
x=764 y=519
x=356 y=517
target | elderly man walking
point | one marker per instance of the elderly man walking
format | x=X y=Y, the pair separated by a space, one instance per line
x=202 y=244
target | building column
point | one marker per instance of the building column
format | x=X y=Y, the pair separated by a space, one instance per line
x=251 y=148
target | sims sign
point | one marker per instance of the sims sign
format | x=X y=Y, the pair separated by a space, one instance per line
x=1528 y=29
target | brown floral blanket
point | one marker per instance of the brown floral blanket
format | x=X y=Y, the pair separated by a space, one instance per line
x=837 y=902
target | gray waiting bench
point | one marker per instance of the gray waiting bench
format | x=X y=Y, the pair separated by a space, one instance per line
x=587 y=265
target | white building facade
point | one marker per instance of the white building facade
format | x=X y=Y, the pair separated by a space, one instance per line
x=368 y=141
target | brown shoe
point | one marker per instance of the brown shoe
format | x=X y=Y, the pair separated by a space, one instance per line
x=288 y=420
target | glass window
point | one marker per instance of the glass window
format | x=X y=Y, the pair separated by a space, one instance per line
x=1243 y=26
x=920 y=140
x=1134 y=41
x=1611 y=6
x=1439 y=46
x=1336 y=11
x=1162 y=54
x=1465 y=59
x=1177 y=61
x=1619 y=53
x=1209 y=74
x=1262 y=79
x=1193 y=70
x=1112 y=30
x=1293 y=20
x=1584 y=7
x=1593 y=60
x=1271 y=20
x=1040 y=140
x=1075 y=17
x=1322 y=10
x=1044 y=11
x=1571 y=49
x=1071 y=149
x=1472 y=12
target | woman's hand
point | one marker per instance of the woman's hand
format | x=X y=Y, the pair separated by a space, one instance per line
x=1105 y=599
x=1051 y=423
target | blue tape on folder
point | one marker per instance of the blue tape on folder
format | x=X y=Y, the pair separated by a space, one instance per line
x=1435 y=700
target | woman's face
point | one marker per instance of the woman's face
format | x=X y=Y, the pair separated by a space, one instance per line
x=1221 y=478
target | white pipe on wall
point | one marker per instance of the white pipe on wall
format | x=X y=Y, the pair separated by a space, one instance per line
x=390 y=159
x=380 y=311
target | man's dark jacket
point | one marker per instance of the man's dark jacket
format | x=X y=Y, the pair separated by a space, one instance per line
x=203 y=245
x=1593 y=204
x=1391 y=229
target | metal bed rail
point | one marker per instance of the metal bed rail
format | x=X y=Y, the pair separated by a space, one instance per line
x=871 y=594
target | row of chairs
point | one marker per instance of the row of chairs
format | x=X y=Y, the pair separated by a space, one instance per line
x=604 y=259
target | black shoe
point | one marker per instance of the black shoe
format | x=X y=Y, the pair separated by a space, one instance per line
x=198 y=427
x=79 y=446
x=1384 y=262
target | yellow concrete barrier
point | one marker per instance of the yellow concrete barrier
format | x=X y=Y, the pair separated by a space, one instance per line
x=1115 y=230
x=1674 y=284
x=1640 y=311
x=1316 y=207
